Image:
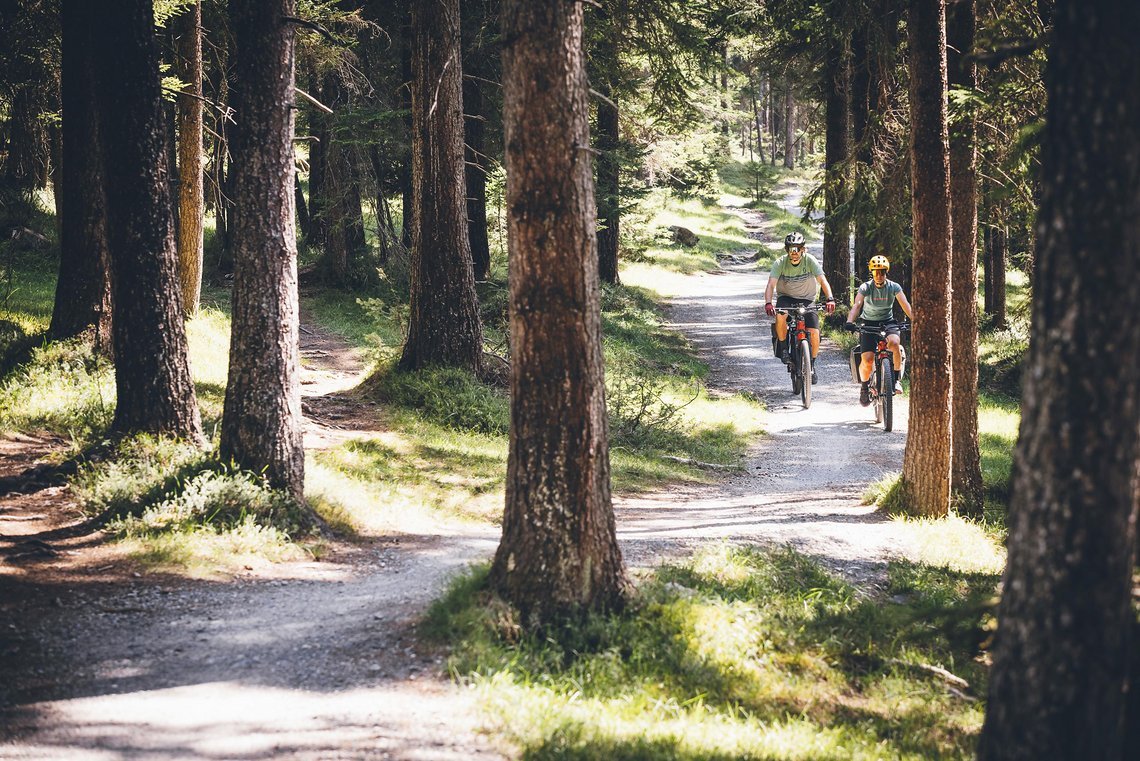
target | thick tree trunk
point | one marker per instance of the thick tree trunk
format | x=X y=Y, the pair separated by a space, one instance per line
x=154 y=391
x=559 y=550
x=1059 y=683
x=836 y=232
x=444 y=326
x=191 y=203
x=609 y=185
x=789 y=126
x=475 y=122
x=966 y=470
x=261 y=422
x=926 y=462
x=83 y=291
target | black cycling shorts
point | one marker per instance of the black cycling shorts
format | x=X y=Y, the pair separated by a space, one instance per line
x=868 y=342
x=811 y=319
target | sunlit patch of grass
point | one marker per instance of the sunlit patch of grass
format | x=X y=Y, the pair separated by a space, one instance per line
x=208 y=335
x=209 y=552
x=173 y=506
x=422 y=469
x=951 y=542
x=65 y=388
x=738 y=653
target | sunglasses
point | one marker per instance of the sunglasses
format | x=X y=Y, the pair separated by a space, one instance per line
x=795 y=249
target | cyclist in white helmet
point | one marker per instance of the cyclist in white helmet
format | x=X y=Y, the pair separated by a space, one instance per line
x=797 y=278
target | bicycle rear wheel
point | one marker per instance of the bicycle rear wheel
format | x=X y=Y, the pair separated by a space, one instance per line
x=887 y=392
x=805 y=373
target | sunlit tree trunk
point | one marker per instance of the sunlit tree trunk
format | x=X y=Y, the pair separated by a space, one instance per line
x=261 y=421
x=559 y=551
x=1063 y=650
x=966 y=471
x=789 y=126
x=188 y=41
x=926 y=461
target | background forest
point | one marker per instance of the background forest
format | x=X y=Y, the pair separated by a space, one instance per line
x=200 y=198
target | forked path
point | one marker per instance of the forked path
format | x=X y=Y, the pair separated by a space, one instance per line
x=316 y=661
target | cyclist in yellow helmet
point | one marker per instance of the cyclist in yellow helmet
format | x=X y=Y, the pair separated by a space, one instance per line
x=874 y=304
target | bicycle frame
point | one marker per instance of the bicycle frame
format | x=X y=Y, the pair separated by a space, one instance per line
x=797 y=342
x=880 y=389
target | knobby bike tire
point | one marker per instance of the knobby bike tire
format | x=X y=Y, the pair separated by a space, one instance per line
x=805 y=373
x=793 y=358
x=887 y=392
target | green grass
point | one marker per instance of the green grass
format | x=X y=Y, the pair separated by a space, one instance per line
x=738 y=653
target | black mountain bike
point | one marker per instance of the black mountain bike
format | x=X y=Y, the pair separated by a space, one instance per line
x=881 y=383
x=798 y=344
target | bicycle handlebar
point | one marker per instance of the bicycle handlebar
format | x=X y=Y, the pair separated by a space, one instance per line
x=878 y=329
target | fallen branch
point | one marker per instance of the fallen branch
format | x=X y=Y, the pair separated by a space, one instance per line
x=937 y=671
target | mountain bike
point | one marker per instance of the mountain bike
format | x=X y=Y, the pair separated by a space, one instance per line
x=881 y=383
x=798 y=344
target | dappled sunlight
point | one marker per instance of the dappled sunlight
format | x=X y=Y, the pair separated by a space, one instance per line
x=952 y=542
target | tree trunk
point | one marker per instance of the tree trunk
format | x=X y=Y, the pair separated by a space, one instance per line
x=406 y=192
x=444 y=326
x=861 y=72
x=836 y=232
x=261 y=422
x=475 y=122
x=26 y=166
x=609 y=184
x=83 y=291
x=926 y=462
x=559 y=550
x=789 y=126
x=966 y=470
x=1059 y=684
x=302 y=208
x=154 y=391
x=188 y=33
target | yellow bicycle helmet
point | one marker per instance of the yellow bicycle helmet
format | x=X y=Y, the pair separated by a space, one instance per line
x=880 y=262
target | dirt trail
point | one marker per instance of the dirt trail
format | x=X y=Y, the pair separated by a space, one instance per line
x=313 y=661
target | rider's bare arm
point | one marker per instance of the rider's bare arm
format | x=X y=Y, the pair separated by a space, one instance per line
x=826 y=286
x=901 y=298
x=769 y=290
x=857 y=307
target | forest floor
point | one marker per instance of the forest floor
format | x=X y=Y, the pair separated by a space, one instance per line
x=319 y=660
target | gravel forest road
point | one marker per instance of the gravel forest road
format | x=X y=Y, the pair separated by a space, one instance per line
x=319 y=661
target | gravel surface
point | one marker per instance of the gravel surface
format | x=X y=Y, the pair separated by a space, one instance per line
x=318 y=661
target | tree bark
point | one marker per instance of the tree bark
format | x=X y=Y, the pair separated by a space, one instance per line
x=261 y=422
x=444 y=326
x=926 y=461
x=837 y=232
x=475 y=112
x=154 y=391
x=559 y=551
x=609 y=184
x=966 y=470
x=191 y=202
x=83 y=290
x=789 y=126
x=1059 y=683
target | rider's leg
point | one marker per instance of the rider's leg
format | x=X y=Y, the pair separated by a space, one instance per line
x=781 y=326
x=865 y=365
x=813 y=333
x=894 y=344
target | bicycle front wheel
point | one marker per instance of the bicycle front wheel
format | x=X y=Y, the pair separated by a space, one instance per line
x=805 y=373
x=887 y=392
